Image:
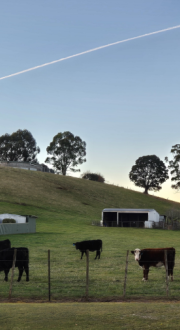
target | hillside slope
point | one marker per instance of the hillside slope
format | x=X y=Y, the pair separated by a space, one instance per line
x=65 y=208
x=26 y=190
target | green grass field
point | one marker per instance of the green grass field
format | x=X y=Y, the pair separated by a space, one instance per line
x=98 y=316
x=66 y=207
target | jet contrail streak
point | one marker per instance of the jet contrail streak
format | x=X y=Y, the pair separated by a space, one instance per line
x=90 y=50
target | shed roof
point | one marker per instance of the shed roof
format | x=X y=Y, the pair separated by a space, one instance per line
x=129 y=210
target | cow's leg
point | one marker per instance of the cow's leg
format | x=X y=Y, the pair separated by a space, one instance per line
x=82 y=252
x=143 y=279
x=20 y=273
x=96 y=255
x=6 y=272
x=170 y=271
x=146 y=276
x=145 y=273
x=26 y=268
x=172 y=268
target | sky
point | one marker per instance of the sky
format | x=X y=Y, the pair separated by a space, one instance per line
x=123 y=101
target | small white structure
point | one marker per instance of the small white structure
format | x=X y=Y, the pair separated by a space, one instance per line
x=26 y=166
x=129 y=217
x=25 y=224
x=18 y=218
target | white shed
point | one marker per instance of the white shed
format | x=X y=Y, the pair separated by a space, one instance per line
x=129 y=217
x=18 y=218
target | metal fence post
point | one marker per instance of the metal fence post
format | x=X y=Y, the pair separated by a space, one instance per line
x=12 y=274
x=49 y=278
x=166 y=267
x=87 y=273
x=125 y=277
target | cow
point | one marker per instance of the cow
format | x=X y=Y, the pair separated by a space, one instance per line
x=92 y=245
x=22 y=261
x=6 y=244
x=156 y=258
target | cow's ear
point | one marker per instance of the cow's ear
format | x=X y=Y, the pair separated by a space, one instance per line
x=74 y=244
x=132 y=252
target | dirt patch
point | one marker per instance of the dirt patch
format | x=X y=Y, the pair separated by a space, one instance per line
x=62 y=188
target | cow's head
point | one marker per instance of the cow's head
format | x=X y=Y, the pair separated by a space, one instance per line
x=137 y=254
x=76 y=245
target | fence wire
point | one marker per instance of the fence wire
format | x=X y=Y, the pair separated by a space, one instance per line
x=106 y=278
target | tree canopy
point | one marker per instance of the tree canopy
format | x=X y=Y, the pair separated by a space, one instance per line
x=149 y=172
x=19 y=146
x=93 y=176
x=174 y=166
x=68 y=151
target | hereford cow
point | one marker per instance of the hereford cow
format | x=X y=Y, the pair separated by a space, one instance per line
x=22 y=261
x=156 y=258
x=93 y=245
x=6 y=244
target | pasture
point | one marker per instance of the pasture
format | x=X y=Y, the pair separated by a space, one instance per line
x=99 y=316
x=65 y=208
x=106 y=275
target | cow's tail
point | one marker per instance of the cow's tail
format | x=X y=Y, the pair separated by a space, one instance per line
x=101 y=246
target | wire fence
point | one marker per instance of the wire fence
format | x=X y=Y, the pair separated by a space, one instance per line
x=173 y=225
x=55 y=278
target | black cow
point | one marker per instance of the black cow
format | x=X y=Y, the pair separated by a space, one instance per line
x=156 y=258
x=6 y=244
x=22 y=261
x=92 y=245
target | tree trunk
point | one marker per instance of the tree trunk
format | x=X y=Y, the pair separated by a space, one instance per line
x=146 y=191
x=63 y=171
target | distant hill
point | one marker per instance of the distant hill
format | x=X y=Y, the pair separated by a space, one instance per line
x=24 y=191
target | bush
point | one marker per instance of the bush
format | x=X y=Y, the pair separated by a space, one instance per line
x=9 y=221
x=93 y=176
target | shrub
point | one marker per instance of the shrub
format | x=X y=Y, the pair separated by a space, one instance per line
x=93 y=176
x=9 y=221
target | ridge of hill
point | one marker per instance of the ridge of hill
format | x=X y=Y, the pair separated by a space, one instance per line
x=24 y=191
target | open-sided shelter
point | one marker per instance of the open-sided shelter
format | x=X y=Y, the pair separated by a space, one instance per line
x=129 y=217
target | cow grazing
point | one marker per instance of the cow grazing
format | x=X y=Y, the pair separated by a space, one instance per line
x=22 y=261
x=6 y=244
x=156 y=258
x=92 y=245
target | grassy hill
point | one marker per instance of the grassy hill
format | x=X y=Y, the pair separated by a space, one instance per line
x=27 y=191
x=65 y=208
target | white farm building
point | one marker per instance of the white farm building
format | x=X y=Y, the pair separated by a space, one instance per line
x=130 y=218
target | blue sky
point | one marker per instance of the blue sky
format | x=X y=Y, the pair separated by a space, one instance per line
x=122 y=100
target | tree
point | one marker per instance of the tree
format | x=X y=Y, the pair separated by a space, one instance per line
x=67 y=152
x=149 y=172
x=93 y=176
x=174 y=166
x=19 y=146
x=172 y=215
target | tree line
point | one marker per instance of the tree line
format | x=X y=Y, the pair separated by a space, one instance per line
x=67 y=151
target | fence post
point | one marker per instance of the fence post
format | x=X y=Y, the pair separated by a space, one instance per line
x=166 y=267
x=125 y=277
x=12 y=274
x=87 y=273
x=49 y=279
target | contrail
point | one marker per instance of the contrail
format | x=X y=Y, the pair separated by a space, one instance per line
x=90 y=50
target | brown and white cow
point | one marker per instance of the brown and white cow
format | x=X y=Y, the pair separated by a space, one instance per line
x=156 y=258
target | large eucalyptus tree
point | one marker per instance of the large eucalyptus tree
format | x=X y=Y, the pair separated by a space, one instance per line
x=67 y=151
x=149 y=172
